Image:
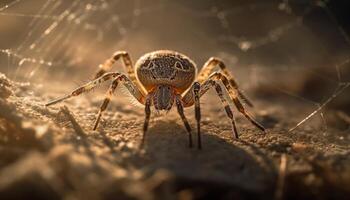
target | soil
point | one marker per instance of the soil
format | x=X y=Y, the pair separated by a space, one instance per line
x=53 y=153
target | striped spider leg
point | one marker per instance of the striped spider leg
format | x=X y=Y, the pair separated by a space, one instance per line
x=197 y=90
x=117 y=78
x=209 y=67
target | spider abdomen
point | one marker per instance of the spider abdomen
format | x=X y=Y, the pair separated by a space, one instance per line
x=165 y=67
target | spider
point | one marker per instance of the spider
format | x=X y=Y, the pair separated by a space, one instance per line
x=162 y=78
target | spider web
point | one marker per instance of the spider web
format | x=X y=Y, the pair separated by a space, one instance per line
x=277 y=47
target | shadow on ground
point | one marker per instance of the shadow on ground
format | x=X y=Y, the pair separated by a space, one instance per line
x=52 y=153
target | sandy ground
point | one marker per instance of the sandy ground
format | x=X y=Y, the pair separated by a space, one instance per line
x=52 y=153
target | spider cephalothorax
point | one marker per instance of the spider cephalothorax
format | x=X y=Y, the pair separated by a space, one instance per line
x=165 y=67
x=165 y=74
x=164 y=78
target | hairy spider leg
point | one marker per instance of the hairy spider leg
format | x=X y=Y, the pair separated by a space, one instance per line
x=208 y=68
x=147 y=118
x=227 y=107
x=107 y=66
x=203 y=89
x=180 y=110
x=85 y=88
x=189 y=98
x=131 y=88
x=233 y=94
x=197 y=109
x=134 y=90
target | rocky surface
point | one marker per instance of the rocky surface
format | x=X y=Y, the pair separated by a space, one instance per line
x=52 y=152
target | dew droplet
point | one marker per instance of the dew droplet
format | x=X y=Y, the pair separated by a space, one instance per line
x=88 y=6
x=22 y=61
x=32 y=73
x=245 y=45
x=32 y=46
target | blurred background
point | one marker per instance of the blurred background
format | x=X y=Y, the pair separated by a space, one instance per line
x=291 y=57
x=279 y=50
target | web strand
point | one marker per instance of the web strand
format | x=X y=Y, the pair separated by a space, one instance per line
x=63 y=34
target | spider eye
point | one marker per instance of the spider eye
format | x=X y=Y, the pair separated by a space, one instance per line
x=151 y=65
x=179 y=65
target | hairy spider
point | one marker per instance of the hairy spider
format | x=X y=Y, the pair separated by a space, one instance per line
x=163 y=77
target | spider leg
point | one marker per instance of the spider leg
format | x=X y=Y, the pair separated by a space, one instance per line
x=197 y=109
x=180 y=110
x=227 y=108
x=202 y=90
x=128 y=84
x=147 y=117
x=85 y=88
x=234 y=93
x=107 y=65
x=208 y=68
x=189 y=98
